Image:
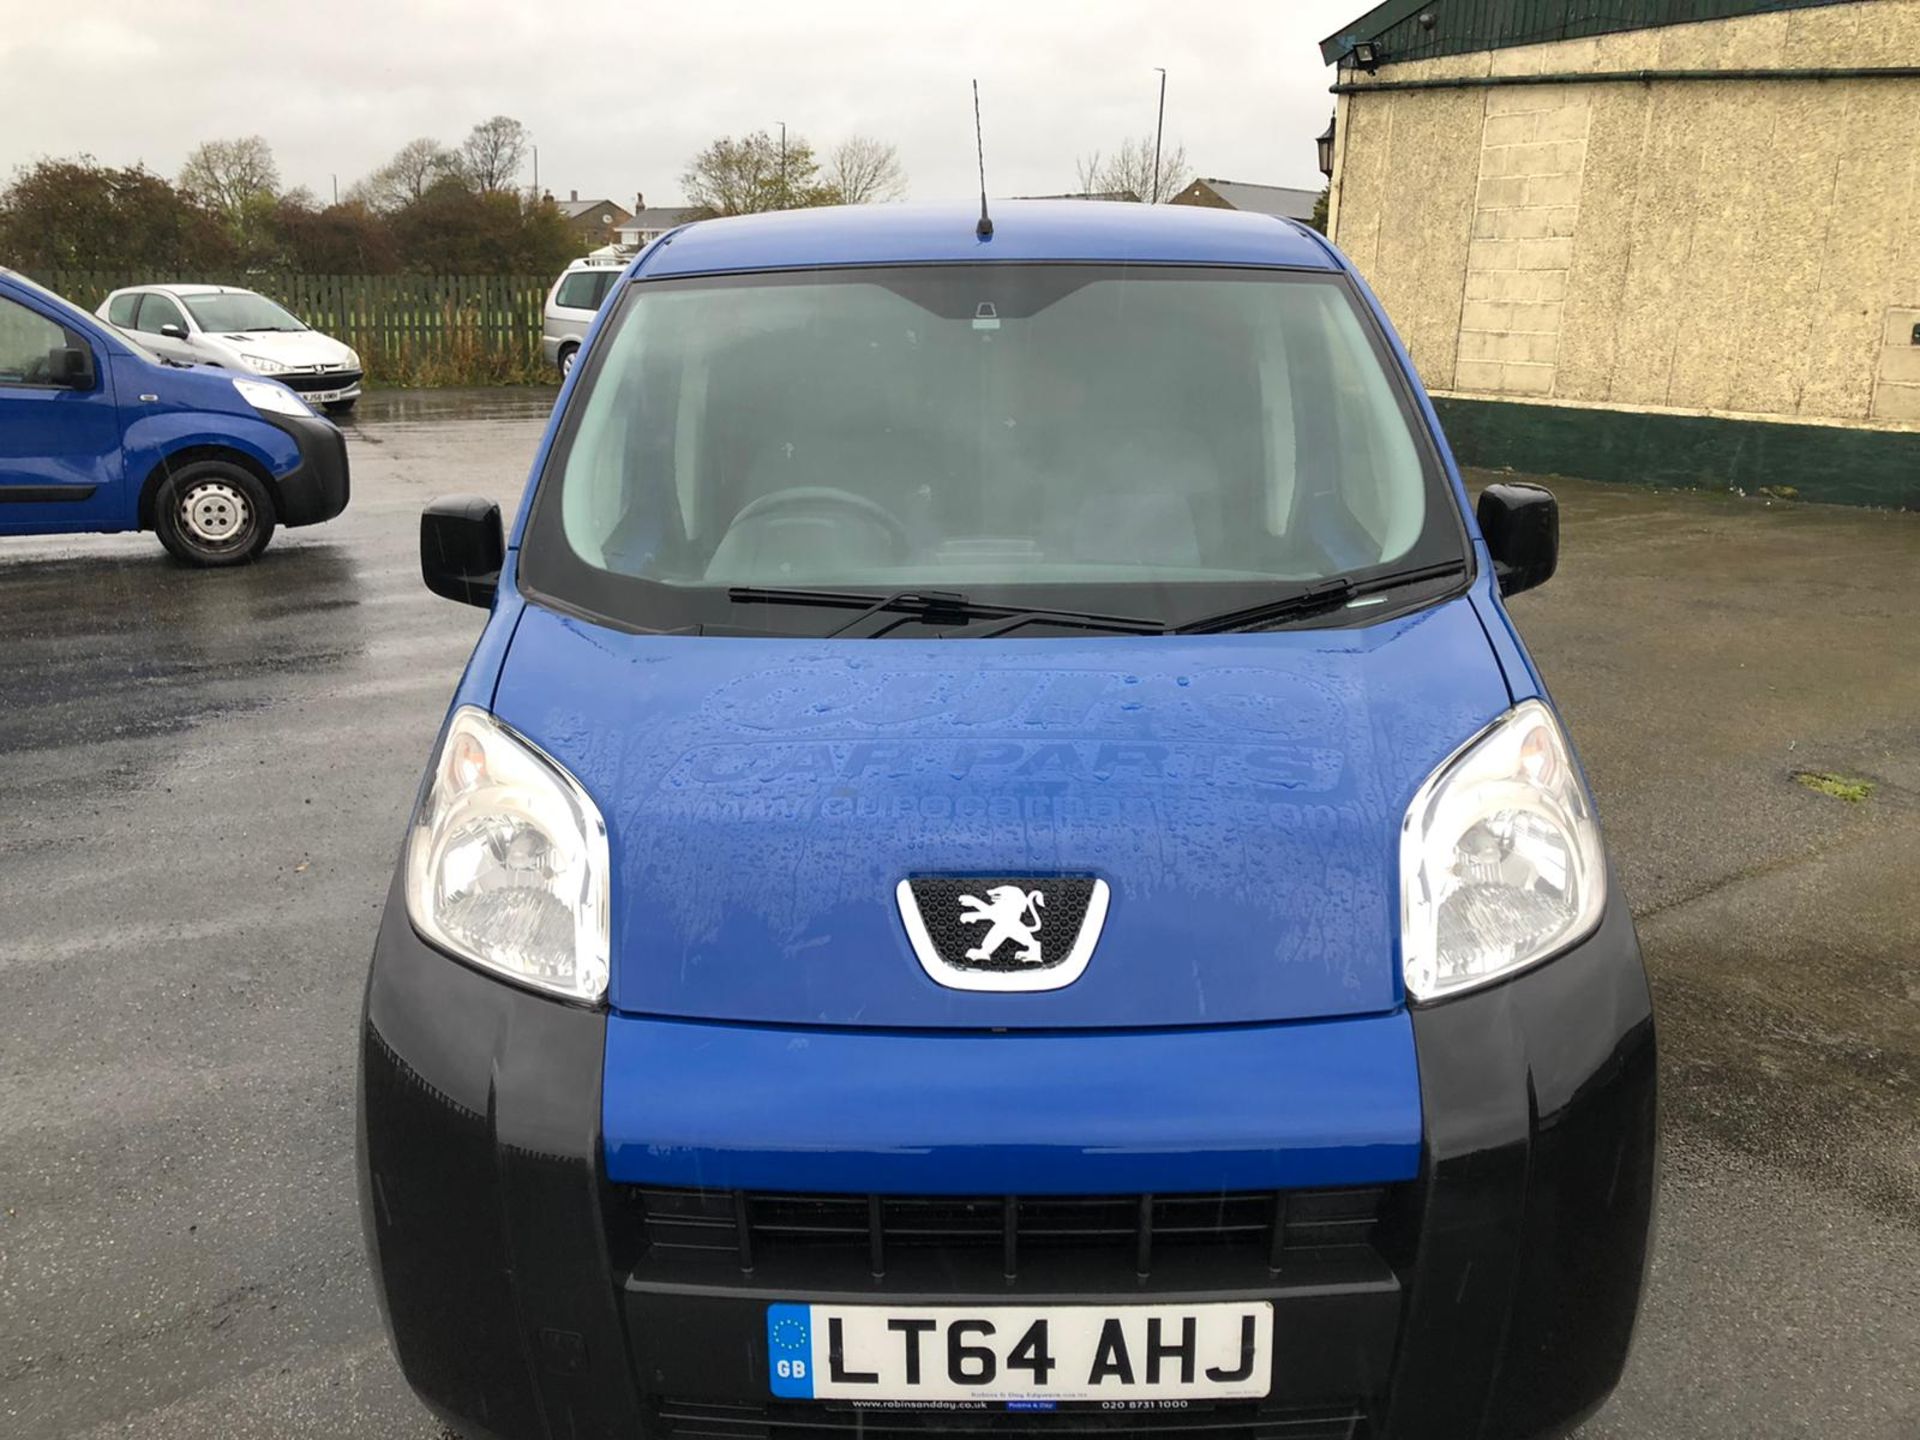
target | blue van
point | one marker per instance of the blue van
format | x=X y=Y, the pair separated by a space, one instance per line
x=999 y=866
x=99 y=434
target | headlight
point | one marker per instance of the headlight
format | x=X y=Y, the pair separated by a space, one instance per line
x=275 y=398
x=507 y=863
x=353 y=360
x=262 y=364
x=1500 y=859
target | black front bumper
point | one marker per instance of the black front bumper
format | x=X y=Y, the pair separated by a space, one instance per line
x=316 y=489
x=1499 y=1302
x=325 y=382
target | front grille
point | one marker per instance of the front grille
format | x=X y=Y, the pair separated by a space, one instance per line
x=750 y=1226
x=329 y=380
x=686 y=1420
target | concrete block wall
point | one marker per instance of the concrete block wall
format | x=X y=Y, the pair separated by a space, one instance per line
x=1533 y=155
x=1739 y=247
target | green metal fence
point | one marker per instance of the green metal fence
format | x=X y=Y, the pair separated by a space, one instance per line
x=409 y=329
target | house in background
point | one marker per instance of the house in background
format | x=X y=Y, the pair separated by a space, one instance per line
x=594 y=221
x=1670 y=241
x=648 y=223
x=1260 y=199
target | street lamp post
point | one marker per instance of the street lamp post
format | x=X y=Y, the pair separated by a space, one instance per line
x=785 y=201
x=1159 y=126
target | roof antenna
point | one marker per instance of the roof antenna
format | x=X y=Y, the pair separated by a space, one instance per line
x=985 y=228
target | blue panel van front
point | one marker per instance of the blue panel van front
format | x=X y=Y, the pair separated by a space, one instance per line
x=999 y=866
x=99 y=435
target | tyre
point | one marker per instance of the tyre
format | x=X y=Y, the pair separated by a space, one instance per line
x=566 y=360
x=212 y=512
x=341 y=407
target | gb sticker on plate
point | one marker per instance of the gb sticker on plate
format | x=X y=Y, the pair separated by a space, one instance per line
x=790 y=1351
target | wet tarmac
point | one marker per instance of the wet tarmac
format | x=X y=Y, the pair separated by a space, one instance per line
x=203 y=780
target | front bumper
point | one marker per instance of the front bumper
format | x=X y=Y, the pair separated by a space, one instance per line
x=326 y=387
x=1496 y=1299
x=317 y=488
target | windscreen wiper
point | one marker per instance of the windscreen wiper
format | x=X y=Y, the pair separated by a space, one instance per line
x=905 y=604
x=1315 y=599
x=940 y=607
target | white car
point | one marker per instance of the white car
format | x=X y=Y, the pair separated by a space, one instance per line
x=573 y=302
x=238 y=330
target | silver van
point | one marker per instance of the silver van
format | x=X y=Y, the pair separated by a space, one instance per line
x=572 y=304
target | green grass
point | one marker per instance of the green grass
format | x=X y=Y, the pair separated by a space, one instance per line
x=1840 y=787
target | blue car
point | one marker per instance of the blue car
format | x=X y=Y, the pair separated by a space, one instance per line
x=99 y=434
x=999 y=866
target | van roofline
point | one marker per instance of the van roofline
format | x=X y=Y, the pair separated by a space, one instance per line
x=1023 y=230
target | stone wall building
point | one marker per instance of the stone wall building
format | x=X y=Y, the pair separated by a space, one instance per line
x=1665 y=240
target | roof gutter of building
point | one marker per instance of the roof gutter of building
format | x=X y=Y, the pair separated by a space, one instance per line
x=1631 y=77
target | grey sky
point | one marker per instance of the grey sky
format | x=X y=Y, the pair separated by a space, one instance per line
x=620 y=95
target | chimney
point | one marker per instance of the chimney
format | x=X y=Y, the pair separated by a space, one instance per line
x=639 y=201
x=573 y=195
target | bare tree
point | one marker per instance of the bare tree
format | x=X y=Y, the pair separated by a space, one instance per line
x=862 y=170
x=231 y=175
x=1128 y=172
x=751 y=174
x=414 y=170
x=494 y=152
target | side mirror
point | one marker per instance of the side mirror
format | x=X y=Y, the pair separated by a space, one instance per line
x=1521 y=524
x=462 y=548
x=71 y=366
x=173 y=332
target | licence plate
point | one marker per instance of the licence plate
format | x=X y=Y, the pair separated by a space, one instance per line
x=322 y=397
x=1046 y=1353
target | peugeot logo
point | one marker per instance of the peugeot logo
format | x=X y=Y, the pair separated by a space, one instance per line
x=1014 y=915
x=1014 y=933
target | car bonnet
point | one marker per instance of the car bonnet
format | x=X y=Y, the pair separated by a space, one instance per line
x=1240 y=797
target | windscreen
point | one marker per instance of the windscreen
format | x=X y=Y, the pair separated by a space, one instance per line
x=236 y=314
x=987 y=428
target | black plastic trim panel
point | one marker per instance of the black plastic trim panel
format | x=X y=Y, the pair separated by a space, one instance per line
x=1536 y=1198
x=482 y=1198
x=317 y=488
x=45 y=494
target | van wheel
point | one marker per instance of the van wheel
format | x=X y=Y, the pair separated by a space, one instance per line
x=213 y=513
x=566 y=360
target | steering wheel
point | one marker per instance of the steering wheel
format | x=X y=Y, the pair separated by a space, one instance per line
x=802 y=500
x=39 y=370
